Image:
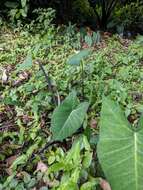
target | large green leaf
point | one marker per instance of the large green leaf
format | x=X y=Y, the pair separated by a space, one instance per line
x=120 y=149
x=68 y=117
x=23 y=3
x=27 y=63
x=12 y=5
x=77 y=58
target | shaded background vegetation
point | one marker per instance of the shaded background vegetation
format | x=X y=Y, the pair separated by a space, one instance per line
x=113 y=15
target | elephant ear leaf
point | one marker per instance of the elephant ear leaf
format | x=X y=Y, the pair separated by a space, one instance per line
x=27 y=64
x=140 y=123
x=120 y=149
x=68 y=117
x=77 y=58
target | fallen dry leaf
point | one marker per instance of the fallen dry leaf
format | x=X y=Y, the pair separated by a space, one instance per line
x=9 y=162
x=93 y=124
x=42 y=167
x=104 y=184
x=107 y=34
x=4 y=76
x=21 y=78
x=9 y=171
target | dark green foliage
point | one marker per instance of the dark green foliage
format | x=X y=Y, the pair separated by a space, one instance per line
x=103 y=9
x=100 y=14
x=130 y=17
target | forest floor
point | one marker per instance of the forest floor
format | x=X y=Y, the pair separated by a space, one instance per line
x=114 y=68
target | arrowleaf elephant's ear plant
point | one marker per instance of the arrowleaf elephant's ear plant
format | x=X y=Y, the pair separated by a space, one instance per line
x=68 y=117
x=77 y=60
x=120 y=148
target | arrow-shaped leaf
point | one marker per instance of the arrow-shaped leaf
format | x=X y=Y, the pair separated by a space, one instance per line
x=77 y=58
x=120 y=149
x=68 y=117
x=27 y=63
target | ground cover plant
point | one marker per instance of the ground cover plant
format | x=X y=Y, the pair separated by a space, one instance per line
x=58 y=129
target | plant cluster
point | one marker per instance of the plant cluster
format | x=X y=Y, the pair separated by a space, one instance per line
x=52 y=104
x=103 y=15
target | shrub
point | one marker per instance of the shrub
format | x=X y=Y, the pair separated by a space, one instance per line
x=130 y=17
x=103 y=11
x=17 y=9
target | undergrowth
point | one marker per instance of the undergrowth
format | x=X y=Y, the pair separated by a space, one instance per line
x=29 y=159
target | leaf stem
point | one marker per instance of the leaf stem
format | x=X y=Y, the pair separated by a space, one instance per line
x=49 y=84
x=82 y=79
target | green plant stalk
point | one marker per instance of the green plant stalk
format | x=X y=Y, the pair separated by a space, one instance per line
x=82 y=79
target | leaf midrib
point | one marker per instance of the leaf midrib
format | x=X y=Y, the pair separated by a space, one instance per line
x=67 y=120
x=134 y=165
x=116 y=116
x=135 y=157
